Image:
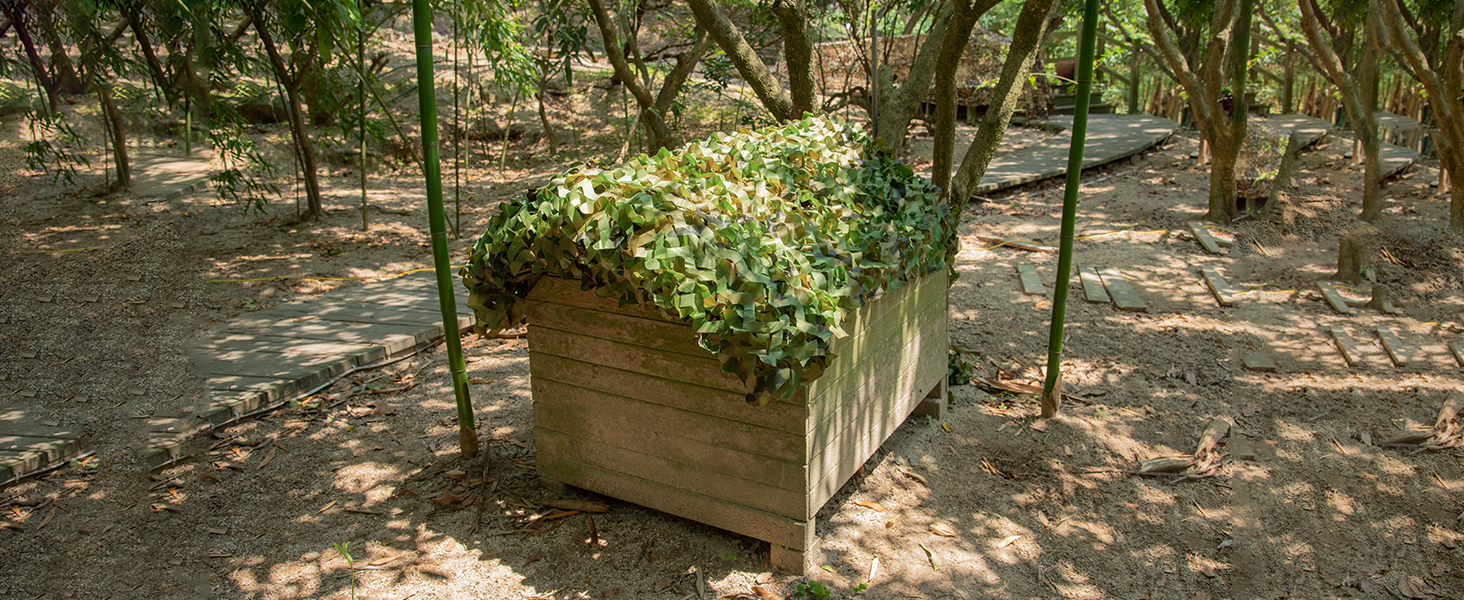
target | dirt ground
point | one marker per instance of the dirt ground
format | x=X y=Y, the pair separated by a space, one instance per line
x=1305 y=505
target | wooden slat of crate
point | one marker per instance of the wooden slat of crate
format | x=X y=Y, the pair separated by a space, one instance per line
x=689 y=474
x=668 y=392
x=704 y=370
x=874 y=319
x=885 y=362
x=567 y=292
x=721 y=514
x=649 y=333
x=864 y=432
x=894 y=326
x=723 y=445
x=1458 y=349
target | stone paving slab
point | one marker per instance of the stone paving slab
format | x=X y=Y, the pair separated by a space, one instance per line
x=1312 y=129
x=29 y=445
x=169 y=175
x=261 y=359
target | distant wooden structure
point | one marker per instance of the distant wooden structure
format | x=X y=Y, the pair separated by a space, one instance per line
x=842 y=67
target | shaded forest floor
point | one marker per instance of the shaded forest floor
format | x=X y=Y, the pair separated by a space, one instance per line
x=1306 y=504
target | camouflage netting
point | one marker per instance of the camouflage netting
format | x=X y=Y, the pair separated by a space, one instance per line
x=763 y=242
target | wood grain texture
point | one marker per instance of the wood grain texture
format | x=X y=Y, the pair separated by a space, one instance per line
x=1224 y=294
x=627 y=405
x=1202 y=234
x=1329 y=291
x=721 y=514
x=1395 y=348
x=1345 y=344
x=1092 y=286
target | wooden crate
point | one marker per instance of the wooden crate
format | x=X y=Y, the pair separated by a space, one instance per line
x=627 y=405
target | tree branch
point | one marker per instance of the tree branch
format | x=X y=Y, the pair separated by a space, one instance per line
x=711 y=18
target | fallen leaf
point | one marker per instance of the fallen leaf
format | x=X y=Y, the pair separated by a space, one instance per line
x=1412 y=587
x=1167 y=464
x=939 y=528
x=890 y=523
x=533 y=558
x=1207 y=571
x=912 y=475
x=1440 y=569
x=1008 y=540
x=326 y=507
x=594 y=535
x=945 y=426
x=479 y=381
x=934 y=560
x=267 y=458
x=49 y=515
x=217 y=531
x=610 y=592
x=1190 y=377
x=874 y=506
x=1366 y=438
x=665 y=583
x=763 y=594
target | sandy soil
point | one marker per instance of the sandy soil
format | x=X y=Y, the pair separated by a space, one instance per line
x=1305 y=505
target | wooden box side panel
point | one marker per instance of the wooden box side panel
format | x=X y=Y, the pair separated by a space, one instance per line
x=721 y=514
x=635 y=396
x=875 y=396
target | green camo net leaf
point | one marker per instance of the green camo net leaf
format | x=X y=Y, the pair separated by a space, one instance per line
x=763 y=241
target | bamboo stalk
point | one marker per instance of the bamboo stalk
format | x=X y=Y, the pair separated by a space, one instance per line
x=1052 y=387
x=432 y=169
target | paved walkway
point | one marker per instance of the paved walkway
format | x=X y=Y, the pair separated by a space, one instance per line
x=261 y=359
x=170 y=175
x=1110 y=138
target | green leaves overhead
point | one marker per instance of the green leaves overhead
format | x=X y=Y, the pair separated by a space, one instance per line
x=762 y=241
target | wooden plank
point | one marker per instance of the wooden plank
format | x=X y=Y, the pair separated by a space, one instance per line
x=721 y=514
x=1092 y=286
x=690 y=474
x=568 y=292
x=1345 y=344
x=1458 y=349
x=1224 y=294
x=1031 y=283
x=1027 y=245
x=648 y=333
x=1124 y=296
x=669 y=392
x=1329 y=292
x=1258 y=361
x=886 y=339
x=865 y=431
x=1396 y=350
x=1203 y=236
x=828 y=397
x=705 y=370
x=670 y=432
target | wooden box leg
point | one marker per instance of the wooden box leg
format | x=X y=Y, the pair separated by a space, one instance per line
x=794 y=560
x=934 y=404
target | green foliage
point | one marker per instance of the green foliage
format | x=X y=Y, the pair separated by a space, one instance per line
x=812 y=589
x=960 y=370
x=240 y=181
x=763 y=241
x=55 y=147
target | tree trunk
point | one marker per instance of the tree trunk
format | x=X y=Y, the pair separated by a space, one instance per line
x=150 y=56
x=1349 y=260
x=38 y=67
x=298 y=128
x=1032 y=25
x=119 y=133
x=1372 y=181
x=794 y=17
x=544 y=118
x=710 y=17
x=1223 y=154
x=63 y=72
